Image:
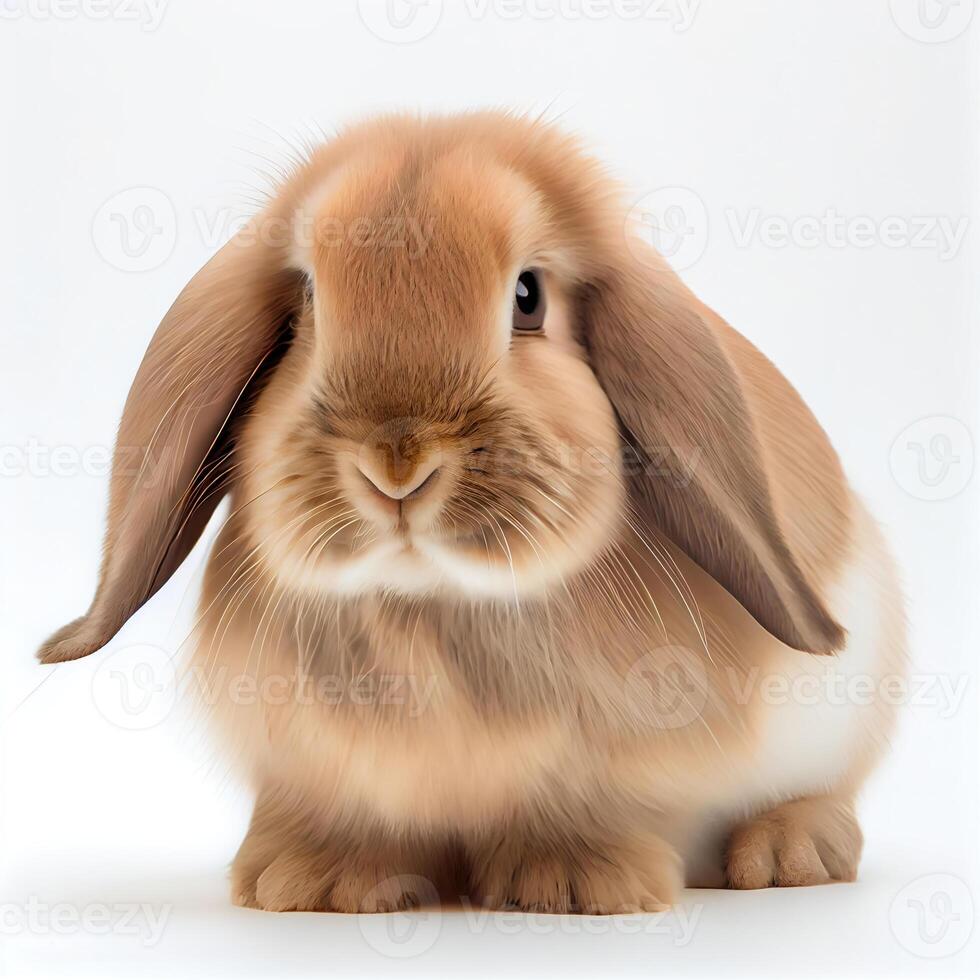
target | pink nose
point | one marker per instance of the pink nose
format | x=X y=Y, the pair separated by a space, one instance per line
x=403 y=486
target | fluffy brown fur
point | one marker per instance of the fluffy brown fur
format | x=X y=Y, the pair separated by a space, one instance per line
x=523 y=529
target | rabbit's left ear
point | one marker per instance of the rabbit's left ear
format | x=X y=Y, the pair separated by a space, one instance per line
x=701 y=475
x=174 y=446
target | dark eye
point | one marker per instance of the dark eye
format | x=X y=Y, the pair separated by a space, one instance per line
x=529 y=304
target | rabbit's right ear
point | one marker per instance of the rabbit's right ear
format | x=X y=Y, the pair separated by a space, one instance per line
x=660 y=355
x=173 y=449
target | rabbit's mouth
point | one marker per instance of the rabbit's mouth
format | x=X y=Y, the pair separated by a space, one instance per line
x=503 y=509
x=437 y=530
x=478 y=565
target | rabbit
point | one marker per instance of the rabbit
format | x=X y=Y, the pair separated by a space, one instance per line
x=547 y=584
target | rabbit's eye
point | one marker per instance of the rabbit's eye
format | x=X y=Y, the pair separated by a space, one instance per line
x=529 y=304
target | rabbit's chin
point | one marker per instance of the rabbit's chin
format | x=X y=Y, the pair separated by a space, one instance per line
x=430 y=567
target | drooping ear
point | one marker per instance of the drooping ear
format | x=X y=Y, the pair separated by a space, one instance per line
x=173 y=449
x=700 y=473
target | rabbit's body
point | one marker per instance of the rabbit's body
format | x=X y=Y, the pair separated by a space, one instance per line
x=450 y=725
x=544 y=578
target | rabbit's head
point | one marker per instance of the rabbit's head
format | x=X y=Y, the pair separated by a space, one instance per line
x=438 y=364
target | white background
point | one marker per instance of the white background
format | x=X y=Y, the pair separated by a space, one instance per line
x=795 y=111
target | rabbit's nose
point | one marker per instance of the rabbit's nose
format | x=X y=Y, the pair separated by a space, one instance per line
x=400 y=485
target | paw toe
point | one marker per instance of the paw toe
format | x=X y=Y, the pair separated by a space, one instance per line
x=364 y=892
x=798 y=865
x=768 y=852
x=290 y=884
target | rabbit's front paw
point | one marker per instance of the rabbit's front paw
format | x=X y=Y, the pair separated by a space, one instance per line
x=304 y=876
x=805 y=842
x=370 y=887
x=642 y=877
x=295 y=881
